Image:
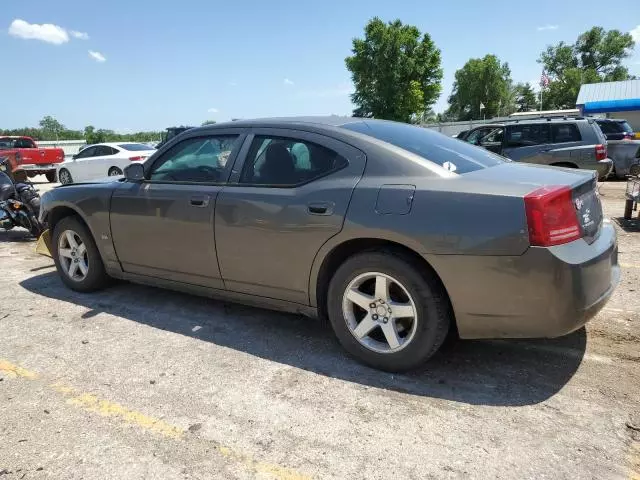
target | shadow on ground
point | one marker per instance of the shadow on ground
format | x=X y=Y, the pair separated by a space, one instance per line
x=629 y=226
x=475 y=372
x=17 y=235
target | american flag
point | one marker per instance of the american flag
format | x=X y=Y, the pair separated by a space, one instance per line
x=544 y=79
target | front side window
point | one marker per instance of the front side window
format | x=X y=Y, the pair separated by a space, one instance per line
x=87 y=152
x=199 y=160
x=286 y=162
x=565 y=132
x=528 y=135
x=477 y=135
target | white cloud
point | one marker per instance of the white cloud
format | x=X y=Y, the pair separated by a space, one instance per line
x=547 y=27
x=213 y=110
x=635 y=33
x=233 y=84
x=97 y=56
x=46 y=32
x=79 y=35
x=288 y=82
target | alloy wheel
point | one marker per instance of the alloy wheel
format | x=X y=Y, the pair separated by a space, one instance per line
x=72 y=253
x=65 y=177
x=380 y=312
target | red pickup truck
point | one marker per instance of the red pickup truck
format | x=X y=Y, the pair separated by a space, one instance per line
x=23 y=153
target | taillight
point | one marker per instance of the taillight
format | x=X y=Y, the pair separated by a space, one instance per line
x=551 y=216
x=601 y=152
x=137 y=159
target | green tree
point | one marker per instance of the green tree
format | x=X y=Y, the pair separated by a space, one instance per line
x=596 y=56
x=525 y=99
x=51 y=128
x=396 y=71
x=482 y=88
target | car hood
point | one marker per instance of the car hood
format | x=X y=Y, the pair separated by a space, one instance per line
x=112 y=179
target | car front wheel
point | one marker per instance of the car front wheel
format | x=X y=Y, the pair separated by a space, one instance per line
x=65 y=176
x=386 y=312
x=77 y=257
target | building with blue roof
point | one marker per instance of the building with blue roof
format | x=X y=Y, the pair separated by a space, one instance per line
x=615 y=99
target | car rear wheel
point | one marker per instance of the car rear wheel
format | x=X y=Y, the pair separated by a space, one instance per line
x=77 y=257
x=65 y=176
x=114 y=172
x=51 y=176
x=387 y=313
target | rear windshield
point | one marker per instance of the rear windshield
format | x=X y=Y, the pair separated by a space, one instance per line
x=450 y=153
x=615 y=127
x=626 y=127
x=135 y=147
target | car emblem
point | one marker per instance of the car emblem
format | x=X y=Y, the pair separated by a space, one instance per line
x=579 y=203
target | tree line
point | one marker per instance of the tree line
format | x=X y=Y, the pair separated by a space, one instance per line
x=50 y=129
x=397 y=74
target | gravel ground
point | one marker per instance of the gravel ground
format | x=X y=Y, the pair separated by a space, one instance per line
x=136 y=382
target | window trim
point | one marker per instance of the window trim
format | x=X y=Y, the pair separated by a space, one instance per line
x=155 y=159
x=291 y=134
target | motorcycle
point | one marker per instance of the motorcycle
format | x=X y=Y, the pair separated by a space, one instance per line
x=19 y=200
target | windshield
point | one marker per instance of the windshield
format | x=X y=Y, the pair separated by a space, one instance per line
x=135 y=147
x=450 y=153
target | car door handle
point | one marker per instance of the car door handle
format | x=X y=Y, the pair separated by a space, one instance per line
x=320 y=208
x=200 y=201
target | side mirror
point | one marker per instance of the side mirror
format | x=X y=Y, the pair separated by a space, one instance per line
x=134 y=172
x=73 y=157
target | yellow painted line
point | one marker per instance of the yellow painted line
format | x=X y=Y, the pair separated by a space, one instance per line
x=105 y=408
x=91 y=403
x=14 y=371
x=629 y=265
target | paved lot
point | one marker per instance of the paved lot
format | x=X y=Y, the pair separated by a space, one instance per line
x=135 y=382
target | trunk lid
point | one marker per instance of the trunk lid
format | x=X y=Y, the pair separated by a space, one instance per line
x=521 y=179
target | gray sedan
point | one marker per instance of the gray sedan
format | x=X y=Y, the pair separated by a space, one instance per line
x=397 y=234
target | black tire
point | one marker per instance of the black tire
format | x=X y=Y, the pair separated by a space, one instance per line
x=65 y=176
x=432 y=305
x=51 y=176
x=114 y=171
x=96 y=277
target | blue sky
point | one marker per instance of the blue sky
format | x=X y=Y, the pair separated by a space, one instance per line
x=143 y=64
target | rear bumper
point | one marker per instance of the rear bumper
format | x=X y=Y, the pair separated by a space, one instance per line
x=39 y=168
x=546 y=292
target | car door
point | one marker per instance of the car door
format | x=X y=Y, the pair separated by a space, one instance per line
x=80 y=166
x=164 y=226
x=286 y=198
x=99 y=164
x=529 y=142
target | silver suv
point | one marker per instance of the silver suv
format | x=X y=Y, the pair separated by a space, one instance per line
x=561 y=142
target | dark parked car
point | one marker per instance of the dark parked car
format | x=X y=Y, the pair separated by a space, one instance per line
x=561 y=142
x=394 y=232
x=616 y=129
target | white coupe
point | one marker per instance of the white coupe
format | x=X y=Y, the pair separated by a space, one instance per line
x=101 y=160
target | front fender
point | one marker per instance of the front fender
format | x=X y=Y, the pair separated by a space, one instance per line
x=91 y=203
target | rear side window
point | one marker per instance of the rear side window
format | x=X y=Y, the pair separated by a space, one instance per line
x=609 y=127
x=135 y=147
x=626 y=127
x=565 y=132
x=528 y=135
x=450 y=153
x=287 y=162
